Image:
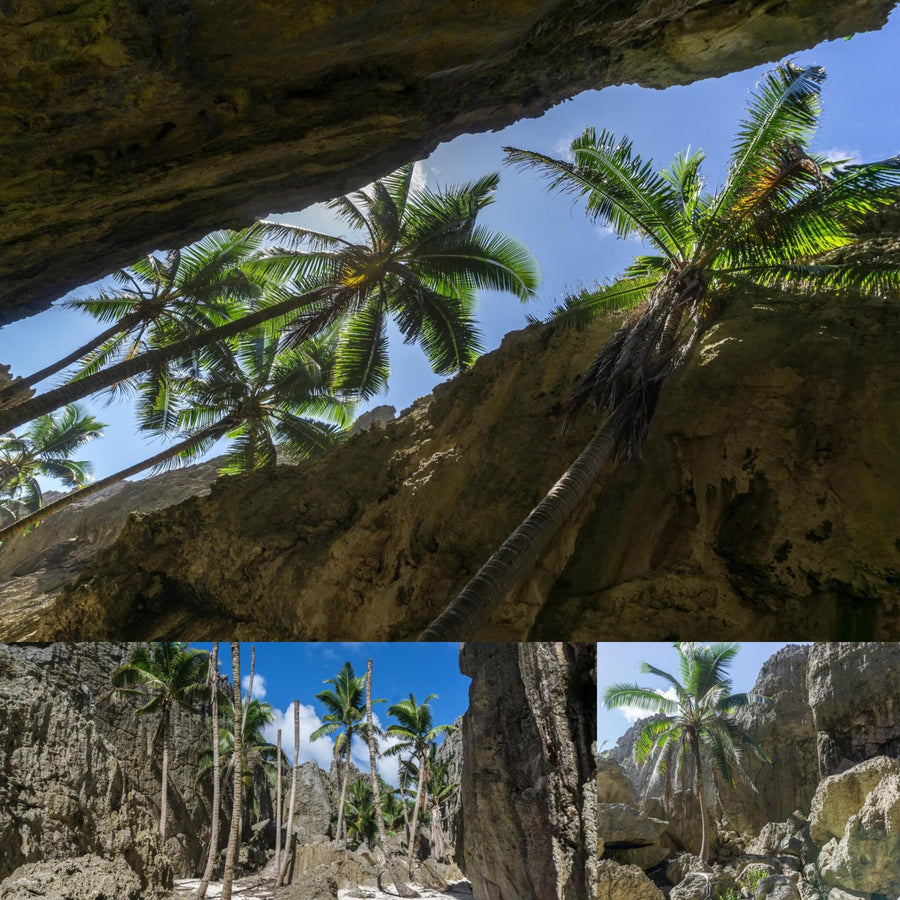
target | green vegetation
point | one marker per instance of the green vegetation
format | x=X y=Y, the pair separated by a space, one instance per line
x=267 y=336
x=774 y=223
x=695 y=728
x=43 y=449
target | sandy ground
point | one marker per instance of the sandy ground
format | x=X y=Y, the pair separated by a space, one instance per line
x=263 y=889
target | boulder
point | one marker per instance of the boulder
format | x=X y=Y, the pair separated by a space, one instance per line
x=714 y=885
x=312 y=819
x=790 y=838
x=319 y=883
x=866 y=858
x=613 y=785
x=777 y=887
x=615 y=881
x=82 y=878
x=839 y=797
x=622 y=826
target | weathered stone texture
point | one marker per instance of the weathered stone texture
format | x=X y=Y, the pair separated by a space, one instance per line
x=770 y=469
x=129 y=125
x=64 y=790
x=527 y=767
x=855 y=702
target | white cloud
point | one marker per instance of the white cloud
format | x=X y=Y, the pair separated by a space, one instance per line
x=633 y=713
x=835 y=154
x=605 y=231
x=259 y=685
x=419 y=179
x=563 y=148
x=322 y=750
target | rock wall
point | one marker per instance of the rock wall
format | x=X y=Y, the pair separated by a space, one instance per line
x=855 y=702
x=129 y=125
x=65 y=790
x=527 y=790
x=770 y=470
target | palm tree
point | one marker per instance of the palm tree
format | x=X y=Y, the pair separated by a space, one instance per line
x=346 y=705
x=258 y=753
x=163 y=674
x=415 y=733
x=44 y=449
x=424 y=259
x=421 y=260
x=697 y=726
x=216 y=774
x=233 y=836
x=403 y=890
x=159 y=300
x=361 y=812
x=780 y=212
x=263 y=398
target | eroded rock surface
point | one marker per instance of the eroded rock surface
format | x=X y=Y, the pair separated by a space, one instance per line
x=129 y=125
x=770 y=470
x=528 y=766
x=64 y=789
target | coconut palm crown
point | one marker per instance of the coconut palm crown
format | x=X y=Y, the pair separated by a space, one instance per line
x=697 y=726
x=417 y=256
x=777 y=221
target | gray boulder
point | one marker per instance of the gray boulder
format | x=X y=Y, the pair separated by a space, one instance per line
x=319 y=883
x=83 y=878
x=618 y=882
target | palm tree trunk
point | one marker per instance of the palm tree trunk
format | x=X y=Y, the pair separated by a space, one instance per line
x=403 y=890
x=244 y=720
x=231 y=852
x=216 y=799
x=523 y=548
x=94 y=488
x=401 y=783
x=704 y=815
x=83 y=387
x=163 y=803
x=344 y=780
x=423 y=762
x=290 y=819
x=126 y=323
x=278 y=809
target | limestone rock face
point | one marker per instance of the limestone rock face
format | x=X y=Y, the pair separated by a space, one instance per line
x=130 y=125
x=31 y=571
x=615 y=882
x=613 y=785
x=527 y=768
x=855 y=702
x=784 y=728
x=314 y=804
x=769 y=465
x=83 y=878
x=864 y=857
x=59 y=757
x=451 y=752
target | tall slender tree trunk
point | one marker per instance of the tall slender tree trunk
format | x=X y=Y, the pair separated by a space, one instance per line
x=248 y=698
x=344 y=780
x=164 y=798
x=233 y=836
x=126 y=323
x=14 y=416
x=438 y=849
x=217 y=775
x=94 y=488
x=278 y=809
x=290 y=818
x=403 y=889
x=423 y=763
x=401 y=784
x=523 y=548
x=704 y=815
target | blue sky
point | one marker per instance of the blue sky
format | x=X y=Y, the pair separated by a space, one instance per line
x=620 y=663
x=286 y=672
x=861 y=119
